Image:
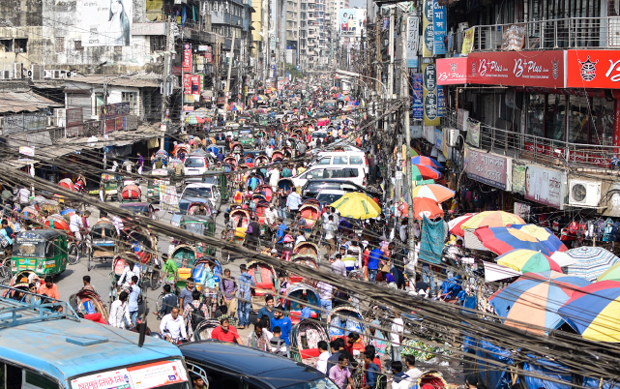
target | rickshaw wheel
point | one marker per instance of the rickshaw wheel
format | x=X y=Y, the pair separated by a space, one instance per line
x=119 y=197
x=154 y=280
x=89 y=265
x=5 y=272
x=73 y=256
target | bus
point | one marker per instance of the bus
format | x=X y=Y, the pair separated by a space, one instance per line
x=44 y=344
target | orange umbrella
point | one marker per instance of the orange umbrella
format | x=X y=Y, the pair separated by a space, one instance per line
x=425 y=206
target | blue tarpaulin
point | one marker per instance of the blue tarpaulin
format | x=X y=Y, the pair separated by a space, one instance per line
x=550 y=369
x=431 y=246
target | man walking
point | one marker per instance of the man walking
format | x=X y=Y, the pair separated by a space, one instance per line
x=246 y=283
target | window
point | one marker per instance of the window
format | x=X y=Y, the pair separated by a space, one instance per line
x=602 y=131
x=77 y=45
x=13 y=377
x=315 y=173
x=21 y=45
x=535 y=115
x=6 y=45
x=60 y=44
x=158 y=43
x=40 y=381
x=325 y=161
x=341 y=160
x=132 y=99
x=578 y=119
x=555 y=117
x=356 y=161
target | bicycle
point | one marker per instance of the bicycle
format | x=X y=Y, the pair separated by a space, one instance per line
x=78 y=250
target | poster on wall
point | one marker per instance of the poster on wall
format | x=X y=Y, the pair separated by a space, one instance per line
x=108 y=22
x=429 y=84
x=545 y=186
x=428 y=32
x=518 y=178
x=351 y=22
x=468 y=41
x=187 y=58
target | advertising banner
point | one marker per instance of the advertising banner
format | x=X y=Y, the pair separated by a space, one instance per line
x=413 y=39
x=451 y=71
x=187 y=58
x=593 y=69
x=545 y=186
x=157 y=374
x=518 y=178
x=521 y=68
x=491 y=169
x=446 y=148
x=418 y=97
x=187 y=84
x=351 y=22
x=468 y=41
x=169 y=199
x=108 y=23
x=209 y=54
x=438 y=139
x=428 y=32
x=429 y=83
x=440 y=28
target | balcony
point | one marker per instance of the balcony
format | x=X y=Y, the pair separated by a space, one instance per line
x=575 y=33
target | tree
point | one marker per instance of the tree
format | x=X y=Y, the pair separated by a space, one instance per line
x=292 y=69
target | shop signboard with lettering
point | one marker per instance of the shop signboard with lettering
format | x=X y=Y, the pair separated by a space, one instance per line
x=545 y=186
x=429 y=83
x=593 y=69
x=428 y=32
x=488 y=168
x=440 y=28
x=187 y=58
x=451 y=71
x=418 y=97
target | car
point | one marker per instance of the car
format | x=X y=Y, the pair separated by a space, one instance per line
x=312 y=187
x=329 y=196
x=208 y=191
x=344 y=158
x=194 y=166
x=357 y=175
x=184 y=204
x=229 y=365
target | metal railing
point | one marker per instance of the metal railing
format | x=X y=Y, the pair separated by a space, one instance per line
x=578 y=32
x=540 y=149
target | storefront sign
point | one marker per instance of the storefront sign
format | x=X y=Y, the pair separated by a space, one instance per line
x=491 y=169
x=26 y=150
x=545 y=186
x=428 y=32
x=440 y=28
x=187 y=58
x=148 y=29
x=522 y=210
x=418 y=97
x=441 y=102
x=429 y=134
x=593 y=69
x=209 y=54
x=429 y=83
x=461 y=119
x=521 y=68
x=438 y=139
x=413 y=39
x=187 y=84
x=451 y=71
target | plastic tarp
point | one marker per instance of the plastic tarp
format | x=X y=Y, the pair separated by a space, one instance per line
x=431 y=247
x=548 y=368
x=492 y=374
x=594 y=383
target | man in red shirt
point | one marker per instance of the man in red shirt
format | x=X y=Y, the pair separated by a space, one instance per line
x=350 y=340
x=49 y=289
x=226 y=333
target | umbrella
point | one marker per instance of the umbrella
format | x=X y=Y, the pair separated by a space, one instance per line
x=425 y=206
x=532 y=301
x=501 y=240
x=347 y=98
x=544 y=235
x=593 y=311
x=591 y=263
x=492 y=219
x=357 y=205
x=427 y=162
x=528 y=261
x=612 y=274
x=455 y=224
x=194 y=120
x=421 y=172
x=436 y=192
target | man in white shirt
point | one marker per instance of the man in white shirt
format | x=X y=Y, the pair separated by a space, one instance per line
x=412 y=375
x=274 y=177
x=271 y=215
x=23 y=195
x=128 y=272
x=396 y=335
x=321 y=363
x=172 y=326
x=300 y=237
x=118 y=224
x=269 y=151
x=75 y=225
x=119 y=315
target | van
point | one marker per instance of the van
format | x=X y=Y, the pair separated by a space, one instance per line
x=354 y=174
x=194 y=166
x=348 y=158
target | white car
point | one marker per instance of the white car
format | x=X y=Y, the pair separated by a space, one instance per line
x=196 y=166
x=331 y=172
x=204 y=191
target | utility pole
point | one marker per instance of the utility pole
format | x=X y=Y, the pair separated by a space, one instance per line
x=230 y=62
x=105 y=110
x=164 y=97
x=391 y=51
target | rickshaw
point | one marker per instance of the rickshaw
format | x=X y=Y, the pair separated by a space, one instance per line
x=307 y=260
x=42 y=251
x=345 y=319
x=198 y=273
x=305 y=338
x=204 y=328
x=110 y=186
x=261 y=207
x=267 y=282
x=306 y=248
x=277 y=156
x=241 y=218
x=236 y=148
x=287 y=151
x=185 y=255
x=249 y=159
x=176 y=165
x=261 y=160
x=88 y=302
x=49 y=207
x=302 y=292
x=104 y=242
x=231 y=161
x=180 y=148
x=263 y=120
x=158 y=177
x=20 y=281
x=163 y=154
x=119 y=263
x=311 y=213
x=201 y=225
x=287 y=184
x=266 y=190
x=30 y=215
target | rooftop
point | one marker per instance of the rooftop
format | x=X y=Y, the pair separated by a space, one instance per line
x=15 y=102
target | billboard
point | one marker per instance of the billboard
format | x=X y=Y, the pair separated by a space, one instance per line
x=351 y=22
x=107 y=22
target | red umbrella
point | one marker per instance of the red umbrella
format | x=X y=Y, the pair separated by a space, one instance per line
x=455 y=224
x=425 y=206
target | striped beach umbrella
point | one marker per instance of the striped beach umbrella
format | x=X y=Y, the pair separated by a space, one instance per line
x=591 y=263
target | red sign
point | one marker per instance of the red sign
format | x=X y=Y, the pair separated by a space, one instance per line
x=187 y=58
x=452 y=71
x=593 y=69
x=517 y=68
x=209 y=55
x=196 y=84
x=187 y=84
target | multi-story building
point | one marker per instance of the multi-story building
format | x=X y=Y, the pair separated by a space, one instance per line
x=292 y=30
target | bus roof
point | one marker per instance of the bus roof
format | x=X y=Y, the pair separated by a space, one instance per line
x=64 y=348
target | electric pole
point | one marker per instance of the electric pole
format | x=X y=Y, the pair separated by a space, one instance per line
x=230 y=62
x=166 y=79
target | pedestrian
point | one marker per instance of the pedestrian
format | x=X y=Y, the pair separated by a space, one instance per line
x=229 y=291
x=321 y=363
x=140 y=163
x=87 y=285
x=226 y=332
x=246 y=283
x=270 y=215
x=330 y=229
x=278 y=345
x=412 y=375
x=186 y=294
x=197 y=381
x=293 y=201
x=282 y=200
x=284 y=323
x=372 y=371
x=258 y=339
x=134 y=293
x=195 y=313
x=49 y=289
x=396 y=336
x=374 y=258
x=169 y=301
x=274 y=177
x=267 y=310
x=301 y=237
x=252 y=234
x=172 y=326
x=326 y=294
x=340 y=373
x=338 y=266
x=119 y=315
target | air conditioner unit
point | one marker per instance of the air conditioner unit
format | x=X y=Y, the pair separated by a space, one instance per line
x=37 y=72
x=5 y=75
x=48 y=74
x=453 y=137
x=18 y=68
x=27 y=73
x=584 y=193
x=60 y=117
x=57 y=74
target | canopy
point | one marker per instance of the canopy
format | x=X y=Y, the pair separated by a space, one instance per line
x=435 y=192
x=357 y=205
x=194 y=120
x=591 y=263
x=422 y=172
x=594 y=311
x=544 y=235
x=425 y=206
x=501 y=240
x=612 y=274
x=492 y=219
x=427 y=161
x=532 y=302
x=528 y=261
